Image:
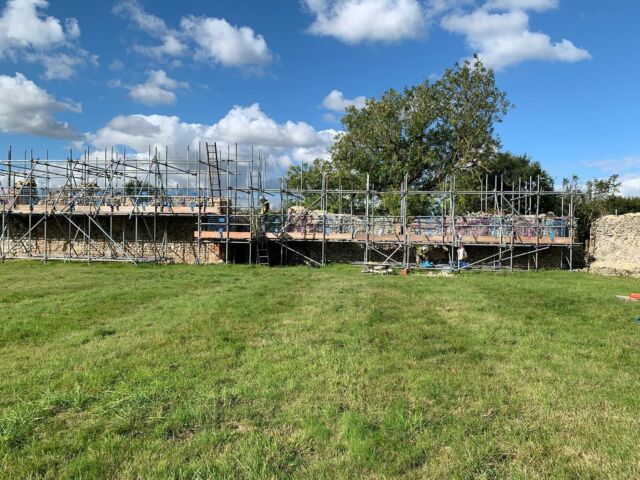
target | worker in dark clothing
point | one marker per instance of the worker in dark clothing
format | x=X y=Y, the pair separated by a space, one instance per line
x=265 y=206
x=422 y=256
x=265 y=212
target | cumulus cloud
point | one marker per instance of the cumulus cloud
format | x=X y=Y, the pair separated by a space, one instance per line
x=23 y=26
x=502 y=39
x=355 y=21
x=630 y=185
x=221 y=42
x=252 y=126
x=157 y=89
x=537 y=5
x=208 y=39
x=337 y=102
x=63 y=65
x=147 y=22
x=170 y=43
x=283 y=143
x=171 y=46
x=435 y=8
x=27 y=108
x=26 y=32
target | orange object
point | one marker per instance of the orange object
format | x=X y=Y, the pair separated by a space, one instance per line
x=635 y=296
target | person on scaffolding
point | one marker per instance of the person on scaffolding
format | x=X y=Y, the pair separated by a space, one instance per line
x=462 y=257
x=264 y=212
x=422 y=257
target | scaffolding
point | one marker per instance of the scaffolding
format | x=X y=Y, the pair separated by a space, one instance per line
x=217 y=205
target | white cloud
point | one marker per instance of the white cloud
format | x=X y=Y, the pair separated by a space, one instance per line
x=73 y=28
x=153 y=26
x=141 y=131
x=27 y=108
x=627 y=167
x=537 y=5
x=503 y=39
x=616 y=165
x=224 y=43
x=22 y=26
x=252 y=126
x=438 y=7
x=147 y=22
x=116 y=65
x=355 y=21
x=630 y=185
x=329 y=117
x=63 y=65
x=208 y=39
x=337 y=102
x=282 y=142
x=157 y=90
x=171 y=46
x=26 y=31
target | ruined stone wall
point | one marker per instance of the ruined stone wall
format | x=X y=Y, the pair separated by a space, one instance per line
x=171 y=252
x=614 y=248
x=179 y=247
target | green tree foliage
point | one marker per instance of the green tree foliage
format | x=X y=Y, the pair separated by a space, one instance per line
x=309 y=177
x=426 y=132
x=510 y=172
x=141 y=191
x=518 y=169
x=600 y=197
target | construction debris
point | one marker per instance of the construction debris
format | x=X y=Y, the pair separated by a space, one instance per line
x=379 y=269
x=634 y=297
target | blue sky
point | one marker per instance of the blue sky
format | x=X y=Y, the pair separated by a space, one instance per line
x=137 y=73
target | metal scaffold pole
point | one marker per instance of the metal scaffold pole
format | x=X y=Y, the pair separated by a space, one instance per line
x=537 y=258
x=324 y=219
x=571 y=225
x=367 y=223
x=404 y=222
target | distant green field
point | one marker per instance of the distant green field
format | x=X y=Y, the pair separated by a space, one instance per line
x=113 y=371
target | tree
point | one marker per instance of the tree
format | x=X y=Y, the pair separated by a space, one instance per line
x=516 y=169
x=141 y=191
x=309 y=177
x=597 y=201
x=426 y=132
x=602 y=189
x=510 y=172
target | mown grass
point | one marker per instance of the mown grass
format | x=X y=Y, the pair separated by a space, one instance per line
x=241 y=372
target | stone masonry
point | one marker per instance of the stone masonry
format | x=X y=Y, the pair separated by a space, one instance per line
x=615 y=245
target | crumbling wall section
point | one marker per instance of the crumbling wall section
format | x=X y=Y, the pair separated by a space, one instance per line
x=614 y=248
x=127 y=240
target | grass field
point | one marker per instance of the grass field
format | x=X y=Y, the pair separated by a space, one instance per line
x=240 y=372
